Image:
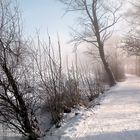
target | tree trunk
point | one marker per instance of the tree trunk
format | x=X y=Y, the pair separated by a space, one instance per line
x=111 y=78
x=22 y=107
x=95 y=24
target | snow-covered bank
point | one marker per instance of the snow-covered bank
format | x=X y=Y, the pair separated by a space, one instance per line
x=117 y=118
x=11 y=138
x=6 y=134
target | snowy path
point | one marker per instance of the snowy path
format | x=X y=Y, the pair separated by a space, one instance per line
x=117 y=118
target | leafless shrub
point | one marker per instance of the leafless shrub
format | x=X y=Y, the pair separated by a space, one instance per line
x=92 y=83
x=60 y=91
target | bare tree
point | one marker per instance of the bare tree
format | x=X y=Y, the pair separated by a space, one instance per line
x=17 y=108
x=131 y=42
x=98 y=18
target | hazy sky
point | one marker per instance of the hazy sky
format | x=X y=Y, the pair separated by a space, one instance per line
x=45 y=15
x=48 y=16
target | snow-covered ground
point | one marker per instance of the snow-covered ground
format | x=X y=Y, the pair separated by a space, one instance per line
x=117 y=118
x=6 y=134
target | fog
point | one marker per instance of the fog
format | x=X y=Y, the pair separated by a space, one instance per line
x=59 y=55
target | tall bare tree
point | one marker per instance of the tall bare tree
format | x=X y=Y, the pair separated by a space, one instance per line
x=16 y=103
x=98 y=18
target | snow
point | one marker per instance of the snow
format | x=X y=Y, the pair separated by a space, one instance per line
x=117 y=118
x=6 y=134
